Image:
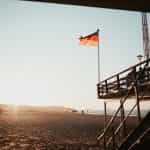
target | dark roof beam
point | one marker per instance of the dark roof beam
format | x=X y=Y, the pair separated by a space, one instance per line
x=134 y=5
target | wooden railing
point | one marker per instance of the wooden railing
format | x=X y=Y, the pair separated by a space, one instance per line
x=115 y=131
x=118 y=84
x=114 y=134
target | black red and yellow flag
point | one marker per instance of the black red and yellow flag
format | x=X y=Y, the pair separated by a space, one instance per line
x=91 y=39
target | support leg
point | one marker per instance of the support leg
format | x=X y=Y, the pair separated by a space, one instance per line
x=138 y=103
x=105 y=123
x=122 y=118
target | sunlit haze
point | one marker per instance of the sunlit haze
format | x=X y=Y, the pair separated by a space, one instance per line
x=41 y=61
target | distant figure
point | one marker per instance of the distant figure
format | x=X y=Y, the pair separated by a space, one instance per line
x=74 y=111
x=131 y=77
x=141 y=75
x=87 y=111
x=82 y=112
x=146 y=71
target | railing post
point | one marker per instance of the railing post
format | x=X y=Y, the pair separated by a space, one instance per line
x=147 y=71
x=106 y=86
x=105 y=109
x=118 y=83
x=124 y=133
x=98 y=90
x=105 y=124
x=136 y=78
x=102 y=90
x=138 y=102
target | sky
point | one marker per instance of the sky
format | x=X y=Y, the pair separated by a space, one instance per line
x=41 y=61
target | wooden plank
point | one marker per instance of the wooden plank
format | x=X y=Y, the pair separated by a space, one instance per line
x=134 y=5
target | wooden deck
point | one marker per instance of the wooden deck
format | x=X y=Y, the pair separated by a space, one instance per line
x=118 y=85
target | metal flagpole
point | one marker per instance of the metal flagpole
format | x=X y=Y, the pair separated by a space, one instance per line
x=98 y=59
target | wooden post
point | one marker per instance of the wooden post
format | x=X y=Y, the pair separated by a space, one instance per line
x=118 y=83
x=113 y=139
x=124 y=133
x=137 y=94
x=105 y=109
x=102 y=89
x=105 y=124
x=104 y=140
x=147 y=71
x=138 y=102
x=106 y=86
x=98 y=90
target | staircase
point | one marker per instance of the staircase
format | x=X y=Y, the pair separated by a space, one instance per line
x=116 y=134
x=139 y=137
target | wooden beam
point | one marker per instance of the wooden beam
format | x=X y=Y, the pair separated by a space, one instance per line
x=134 y=5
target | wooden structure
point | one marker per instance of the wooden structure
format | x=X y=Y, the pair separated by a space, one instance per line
x=136 y=5
x=133 y=82
x=119 y=84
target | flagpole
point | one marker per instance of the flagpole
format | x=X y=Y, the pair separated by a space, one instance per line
x=98 y=58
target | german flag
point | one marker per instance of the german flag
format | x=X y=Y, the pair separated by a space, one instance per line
x=91 y=39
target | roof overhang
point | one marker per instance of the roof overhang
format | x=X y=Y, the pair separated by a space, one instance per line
x=134 y=5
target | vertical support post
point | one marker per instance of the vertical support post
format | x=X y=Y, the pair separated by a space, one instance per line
x=124 y=133
x=137 y=95
x=102 y=89
x=105 y=124
x=113 y=139
x=147 y=71
x=106 y=86
x=105 y=111
x=118 y=83
x=98 y=90
x=148 y=75
x=138 y=102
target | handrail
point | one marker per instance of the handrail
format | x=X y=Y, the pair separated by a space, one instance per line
x=138 y=64
x=120 y=82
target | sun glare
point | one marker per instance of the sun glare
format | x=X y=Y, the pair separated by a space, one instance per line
x=16 y=103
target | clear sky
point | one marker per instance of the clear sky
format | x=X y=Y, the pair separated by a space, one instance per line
x=41 y=61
